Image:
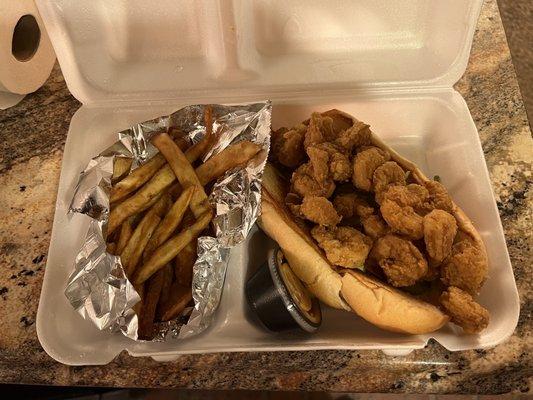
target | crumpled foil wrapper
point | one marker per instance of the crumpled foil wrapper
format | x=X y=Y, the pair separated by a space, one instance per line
x=99 y=289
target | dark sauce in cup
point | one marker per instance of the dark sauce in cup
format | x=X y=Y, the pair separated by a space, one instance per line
x=280 y=299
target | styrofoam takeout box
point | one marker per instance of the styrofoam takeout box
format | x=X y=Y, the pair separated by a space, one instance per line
x=390 y=64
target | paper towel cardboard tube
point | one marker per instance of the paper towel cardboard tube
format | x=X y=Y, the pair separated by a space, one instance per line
x=26 y=38
x=26 y=54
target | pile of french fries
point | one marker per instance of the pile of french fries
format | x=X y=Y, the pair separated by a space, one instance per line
x=157 y=213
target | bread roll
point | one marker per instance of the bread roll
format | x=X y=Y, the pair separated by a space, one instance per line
x=306 y=262
x=389 y=308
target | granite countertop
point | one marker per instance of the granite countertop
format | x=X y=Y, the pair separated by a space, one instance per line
x=33 y=135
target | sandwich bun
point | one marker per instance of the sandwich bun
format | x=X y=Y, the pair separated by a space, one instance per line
x=306 y=262
x=389 y=308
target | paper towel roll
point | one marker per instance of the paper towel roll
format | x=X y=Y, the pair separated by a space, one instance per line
x=26 y=54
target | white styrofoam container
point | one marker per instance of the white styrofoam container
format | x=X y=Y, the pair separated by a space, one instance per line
x=390 y=64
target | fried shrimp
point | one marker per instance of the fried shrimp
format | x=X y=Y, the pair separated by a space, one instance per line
x=288 y=146
x=389 y=173
x=402 y=219
x=364 y=165
x=440 y=228
x=304 y=184
x=343 y=245
x=401 y=261
x=357 y=135
x=465 y=268
x=319 y=210
x=351 y=204
x=464 y=311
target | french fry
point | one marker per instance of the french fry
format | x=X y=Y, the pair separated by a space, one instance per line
x=137 y=178
x=183 y=171
x=140 y=200
x=168 y=250
x=175 y=191
x=182 y=143
x=113 y=237
x=121 y=167
x=160 y=208
x=141 y=175
x=133 y=250
x=165 y=289
x=177 y=300
x=170 y=222
x=111 y=247
x=151 y=298
x=232 y=156
x=178 y=135
x=126 y=229
x=162 y=205
x=183 y=264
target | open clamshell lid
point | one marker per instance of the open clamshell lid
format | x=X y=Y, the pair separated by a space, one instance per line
x=133 y=50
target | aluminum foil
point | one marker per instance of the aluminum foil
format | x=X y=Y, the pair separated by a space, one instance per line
x=98 y=288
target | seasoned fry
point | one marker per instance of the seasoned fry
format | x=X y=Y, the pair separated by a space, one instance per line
x=175 y=191
x=133 y=250
x=181 y=142
x=183 y=264
x=111 y=248
x=178 y=299
x=137 y=178
x=183 y=171
x=165 y=289
x=148 y=205
x=140 y=200
x=162 y=205
x=121 y=167
x=232 y=156
x=126 y=229
x=167 y=283
x=167 y=251
x=142 y=174
x=146 y=319
x=171 y=221
x=113 y=237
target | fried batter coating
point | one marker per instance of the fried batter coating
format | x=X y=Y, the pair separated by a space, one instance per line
x=401 y=261
x=438 y=196
x=357 y=135
x=464 y=311
x=466 y=267
x=350 y=204
x=433 y=270
x=319 y=160
x=375 y=226
x=304 y=184
x=402 y=219
x=343 y=245
x=329 y=156
x=340 y=167
x=412 y=195
x=320 y=130
x=288 y=145
x=364 y=165
x=389 y=173
x=319 y=210
x=440 y=229
x=293 y=202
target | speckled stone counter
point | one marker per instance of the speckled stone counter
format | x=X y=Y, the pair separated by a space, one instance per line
x=33 y=135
